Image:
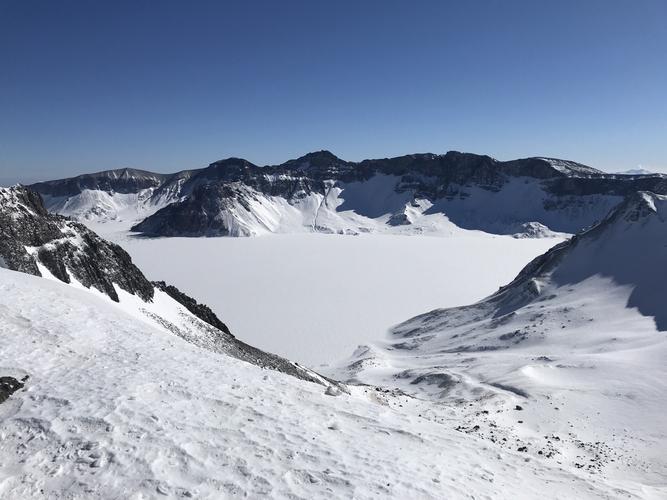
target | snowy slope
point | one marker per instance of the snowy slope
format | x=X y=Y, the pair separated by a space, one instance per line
x=120 y=197
x=115 y=408
x=93 y=206
x=577 y=340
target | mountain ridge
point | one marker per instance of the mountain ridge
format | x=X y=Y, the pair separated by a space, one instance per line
x=319 y=192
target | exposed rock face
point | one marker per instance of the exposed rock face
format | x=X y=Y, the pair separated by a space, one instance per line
x=321 y=192
x=8 y=386
x=30 y=237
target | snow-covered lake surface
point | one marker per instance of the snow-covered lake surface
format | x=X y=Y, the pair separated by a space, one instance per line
x=314 y=298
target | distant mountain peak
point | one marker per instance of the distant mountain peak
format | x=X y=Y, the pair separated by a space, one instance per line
x=323 y=154
x=232 y=161
x=317 y=159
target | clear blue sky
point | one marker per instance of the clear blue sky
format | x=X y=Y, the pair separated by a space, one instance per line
x=160 y=85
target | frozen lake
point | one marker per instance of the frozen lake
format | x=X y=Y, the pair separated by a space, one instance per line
x=314 y=298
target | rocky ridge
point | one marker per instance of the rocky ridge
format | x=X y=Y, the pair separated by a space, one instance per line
x=323 y=193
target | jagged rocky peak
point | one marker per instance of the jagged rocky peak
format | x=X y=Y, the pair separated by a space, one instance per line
x=36 y=242
x=640 y=205
x=227 y=168
x=319 y=160
x=232 y=162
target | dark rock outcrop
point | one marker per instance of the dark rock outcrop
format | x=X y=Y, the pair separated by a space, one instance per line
x=30 y=237
x=202 y=311
x=8 y=386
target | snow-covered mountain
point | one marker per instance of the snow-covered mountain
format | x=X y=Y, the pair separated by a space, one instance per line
x=36 y=242
x=571 y=352
x=106 y=406
x=125 y=195
x=116 y=387
x=319 y=192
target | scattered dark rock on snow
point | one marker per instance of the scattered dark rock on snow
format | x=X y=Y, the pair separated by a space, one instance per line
x=442 y=380
x=8 y=386
x=202 y=311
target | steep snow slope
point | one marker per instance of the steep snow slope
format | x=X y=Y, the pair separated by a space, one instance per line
x=578 y=340
x=94 y=206
x=115 y=408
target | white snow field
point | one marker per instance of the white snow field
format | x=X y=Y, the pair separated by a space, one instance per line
x=314 y=298
x=115 y=408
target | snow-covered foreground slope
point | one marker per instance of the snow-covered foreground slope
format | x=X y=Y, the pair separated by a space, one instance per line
x=578 y=340
x=314 y=298
x=115 y=408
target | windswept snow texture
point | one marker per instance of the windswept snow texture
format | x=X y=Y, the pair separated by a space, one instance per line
x=578 y=341
x=115 y=408
x=319 y=192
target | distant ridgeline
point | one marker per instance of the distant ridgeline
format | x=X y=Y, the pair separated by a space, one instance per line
x=319 y=192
